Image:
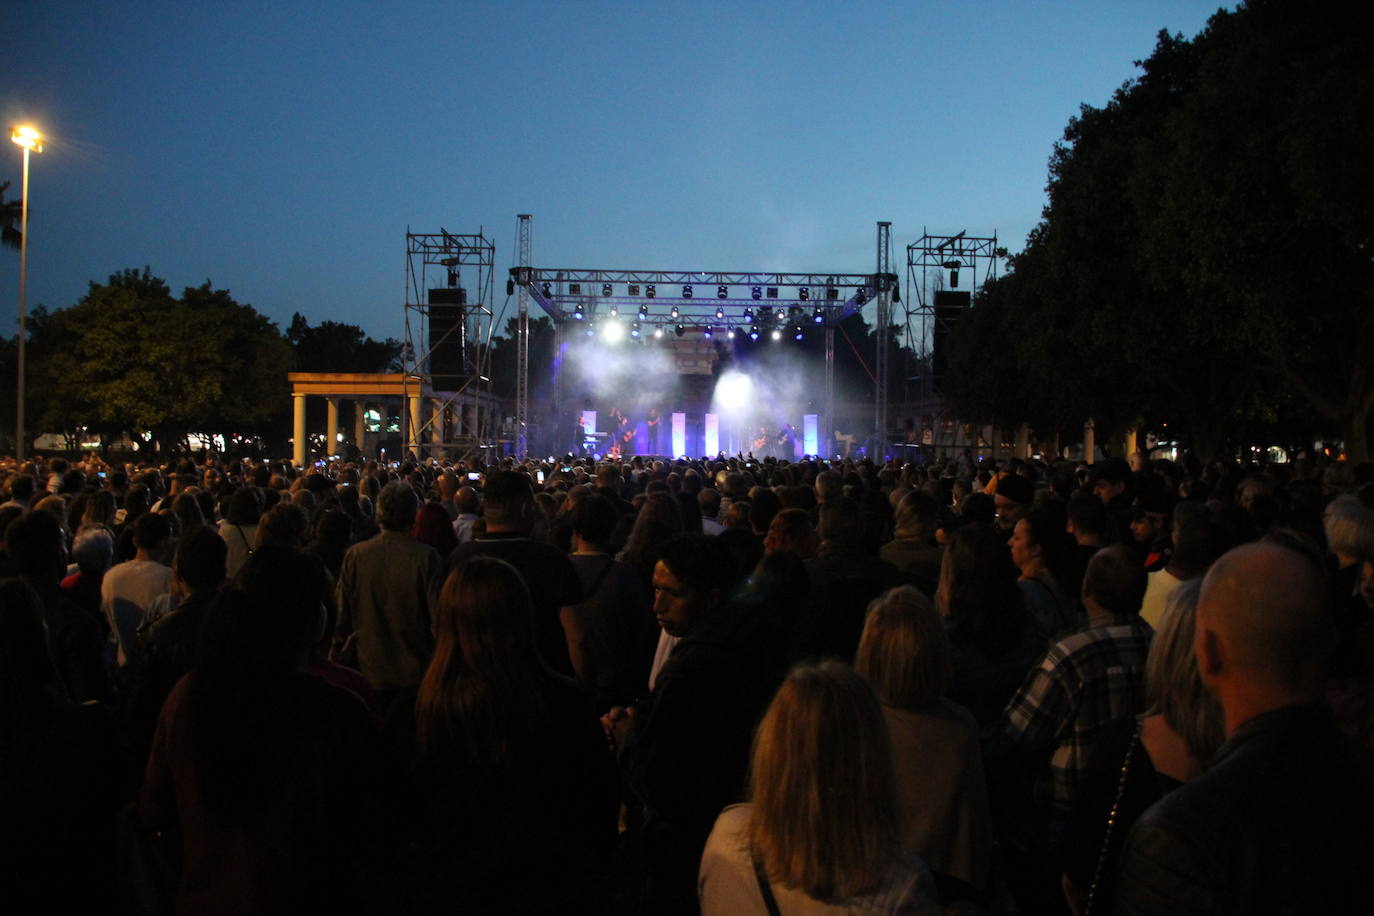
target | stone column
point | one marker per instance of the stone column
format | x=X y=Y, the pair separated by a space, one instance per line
x=1130 y=444
x=1023 y=441
x=1089 y=442
x=299 y=452
x=331 y=426
x=436 y=429
x=413 y=430
x=360 y=425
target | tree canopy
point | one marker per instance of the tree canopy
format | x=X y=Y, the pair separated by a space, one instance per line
x=1204 y=257
x=130 y=357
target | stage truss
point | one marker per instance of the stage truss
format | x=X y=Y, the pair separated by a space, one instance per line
x=695 y=300
x=458 y=269
x=931 y=263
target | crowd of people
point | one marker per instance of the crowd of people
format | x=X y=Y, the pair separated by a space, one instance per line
x=722 y=686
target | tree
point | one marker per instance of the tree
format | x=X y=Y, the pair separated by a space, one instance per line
x=1204 y=255
x=332 y=346
x=11 y=212
x=131 y=357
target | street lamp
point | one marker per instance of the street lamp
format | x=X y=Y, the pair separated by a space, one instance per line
x=32 y=142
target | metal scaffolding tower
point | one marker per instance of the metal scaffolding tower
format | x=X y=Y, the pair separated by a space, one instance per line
x=449 y=281
x=524 y=223
x=936 y=265
x=884 y=330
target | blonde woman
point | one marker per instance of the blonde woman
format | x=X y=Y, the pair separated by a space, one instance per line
x=821 y=834
x=941 y=795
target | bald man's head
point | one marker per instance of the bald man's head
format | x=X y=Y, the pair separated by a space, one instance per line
x=1262 y=618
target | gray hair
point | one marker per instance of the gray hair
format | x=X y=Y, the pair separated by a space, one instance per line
x=397 y=506
x=1349 y=526
x=93 y=550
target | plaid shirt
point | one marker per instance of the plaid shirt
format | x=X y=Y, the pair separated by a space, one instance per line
x=1083 y=682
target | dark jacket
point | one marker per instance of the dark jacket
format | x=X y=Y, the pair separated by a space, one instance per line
x=1272 y=826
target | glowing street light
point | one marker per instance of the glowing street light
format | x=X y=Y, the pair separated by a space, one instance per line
x=32 y=142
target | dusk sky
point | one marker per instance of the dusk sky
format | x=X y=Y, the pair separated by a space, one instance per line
x=281 y=150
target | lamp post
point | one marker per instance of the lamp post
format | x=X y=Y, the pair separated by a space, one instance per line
x=32 y=142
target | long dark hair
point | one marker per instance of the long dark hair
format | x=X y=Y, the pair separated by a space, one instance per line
x=480 y=696
x=254 y=638
x=978 y=594
x=27 y=679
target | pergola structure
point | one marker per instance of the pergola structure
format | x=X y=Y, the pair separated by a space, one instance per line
x=696 y=300
x=448 y=417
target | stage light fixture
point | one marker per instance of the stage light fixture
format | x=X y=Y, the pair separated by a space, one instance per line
x=614 y=311
x=832 y=293
x=720 y=313
x=634 y=329
x=650 y=291
x=687 y=291
x=730 y=332
x=757 y=292
x=722 y=292
x=605 y=289
x=613 y=332
x=753 y=333
x=709 y=332
x=749 y=315
x=777 y=334
x=797 y=332
x=643 y=312
x=591 y=330
x=781 y=313
x=574 y=289
x=861 y=295
x=546 y=289
x=632 y=289
x=658 y=331
x=818 y=316
x=804 y=293
x=679 y=330
x=578 y=313
x=772 y=292
x=673 y=313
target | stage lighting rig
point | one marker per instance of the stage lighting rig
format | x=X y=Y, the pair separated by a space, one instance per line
x=754 y=333
x=796 y=332
x=650 y=292
x=578 y=314
x=781 y=313
x=643 y=312
x=772 y=292
x=679 y=330
x=605 y=289
x=804 y=293
x=709 y=332
x=722 y=292
x=634 y=329
x=658 y=331
x=818 y=316
x=673 y=312
x=614 y=311
x=546 y=289
x=574 y=289
x=687 y=291
x=777 y=334
x=953 y=268
x=757 y=292
x=720 y=312
x=749 y=315
x=632 y=289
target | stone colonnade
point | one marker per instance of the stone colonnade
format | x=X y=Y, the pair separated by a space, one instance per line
x=431 y=420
